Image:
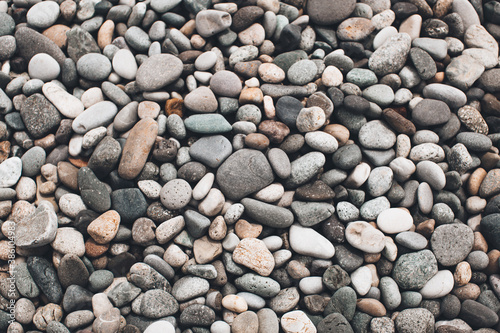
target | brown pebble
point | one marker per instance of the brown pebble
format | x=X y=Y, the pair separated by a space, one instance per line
x=105 y=34
x=480 y=243
x=257 y=141
x=442 y=7
x=489 y=160
x=5 y=208
x=245 y=229
x=42 y=197
x=426 y=228
x=79 y=162
x=206 y=250
x=251 y=95
x=248 y=68
x=47 y=188
x=188 y=28
x=475 y=180
x=57 y=34
x=371 y=306
x=218 y=229
x=340 y=132
x=492 y=267
x=468 y=291
x=221 y=278
x=137 y=147
x=438 y=78
x=371 y=258
x=463 y=273
x=68 y=175
x=297 y=270
x=174 y=106
x=4 y=150
x=100 y=263
x=490 y=184
x=47 y=142
x=399 y=123
x=93 y=250
x=276 y=131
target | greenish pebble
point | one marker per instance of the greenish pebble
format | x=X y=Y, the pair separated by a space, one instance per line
x=228 y=105
x=100 y=280
x=343 y=301
x=410 y=299
x=184 y=239
x=312 y=213
x=362 y=77
x=207 y=124
x=287 y=59
x=262 y=286
x=249 y=112
x=227 y=37
x=360 y=323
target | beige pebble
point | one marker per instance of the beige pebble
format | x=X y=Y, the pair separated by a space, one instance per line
x=104 y=228
x=271 y=73
x=468 y=291
x=245 y=229
x=148 y=109
x=206 y=250
x=463 y=273
x=269 y=109
x=253 y=253
x=105 y=34
x=212 y=204
x=297 y=322
x=235 y=303
x=475 y=204
x=218 y=229
x=174 y=256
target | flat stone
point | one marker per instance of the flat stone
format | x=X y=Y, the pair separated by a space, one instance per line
x=323 y=13
x=189 y=287
x=447 y=252
x=376 y=135
x=38 y=229
x=211 y=151
x=394 y=220
x=244 y=172
x=153 y=74
x=410 y=320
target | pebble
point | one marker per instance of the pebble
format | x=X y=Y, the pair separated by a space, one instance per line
x=451 y=254
x=413 y=270
x=394 y=220
x=307 y=241
x=365 y=237
x=297 y=321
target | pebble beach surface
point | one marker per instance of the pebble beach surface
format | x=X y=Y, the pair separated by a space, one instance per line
x=256 y=166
